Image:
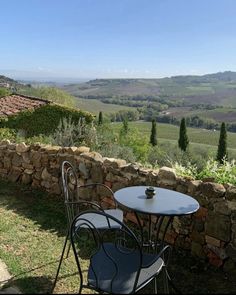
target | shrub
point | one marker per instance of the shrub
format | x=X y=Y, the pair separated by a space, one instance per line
x=114 y=150
x=44 y=120
x=6 y=133
x=189 y=170
x=50 y=93
x=221 y=173
x=69 y=133
x=4 y=92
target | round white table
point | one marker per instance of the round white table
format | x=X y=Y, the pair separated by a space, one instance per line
x=166 y=204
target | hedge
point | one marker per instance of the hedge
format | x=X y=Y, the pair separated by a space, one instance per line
x=43 y=120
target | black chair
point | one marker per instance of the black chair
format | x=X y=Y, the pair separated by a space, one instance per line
x=117 y=263
x=71 y=189
x=74 y=205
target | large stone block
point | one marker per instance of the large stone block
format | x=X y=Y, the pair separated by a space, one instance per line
x=82 y=149
x=97 y=174
x=167 y=177
x=218 y=226
x=193 y=187
x=17 y=160
x=7 y=163
x=231 y=193
x=222 y=208
x=22 y=148
x=231 y=252
x=212 y=190
x=26 y=157
x=92 y=156
x=35 y=155
x=14 y=176
x=116 y=163
x=197 y=237
x=46 y=175
x=83 y=170
x=26 y=178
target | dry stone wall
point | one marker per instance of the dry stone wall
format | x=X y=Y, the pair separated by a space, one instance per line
x=210 y=233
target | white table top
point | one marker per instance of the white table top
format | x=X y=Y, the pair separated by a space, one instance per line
x=165 y=202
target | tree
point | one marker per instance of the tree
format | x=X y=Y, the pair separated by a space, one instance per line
x=222 y=146
x=153 y=136
x=100 y=118
x=183 y=137
x=125 y=127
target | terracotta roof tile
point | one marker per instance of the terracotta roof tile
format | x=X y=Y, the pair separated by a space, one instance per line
x=12 y=104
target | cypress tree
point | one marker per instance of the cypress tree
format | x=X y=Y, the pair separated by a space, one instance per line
x=183 y=137
x=100 y=118
x=222 y=146
x=153 y=136
x=125 y=127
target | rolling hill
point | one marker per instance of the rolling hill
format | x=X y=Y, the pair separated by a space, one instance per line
x=214 y=89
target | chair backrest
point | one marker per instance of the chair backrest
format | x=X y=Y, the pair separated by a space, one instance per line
x=69 y=186
x=107 y=252
x=69 y=181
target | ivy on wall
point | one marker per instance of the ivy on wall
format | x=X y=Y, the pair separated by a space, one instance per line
x=43 y=120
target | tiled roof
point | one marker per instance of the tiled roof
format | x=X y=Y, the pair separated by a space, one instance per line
x=12 y=104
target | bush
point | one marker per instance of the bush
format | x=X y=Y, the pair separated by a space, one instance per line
x=4 y=92
x=44 y=120
x=6 y=133
x=114 y=150
x=221 y=173
x=50 y=93
x=137 y=142
x=69 y=133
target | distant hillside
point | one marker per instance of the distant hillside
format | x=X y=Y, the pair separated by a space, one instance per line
x=8 y=85
x=8 y=82
x=214 y=89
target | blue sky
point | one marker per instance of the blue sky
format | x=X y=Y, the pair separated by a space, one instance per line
x=116 y=38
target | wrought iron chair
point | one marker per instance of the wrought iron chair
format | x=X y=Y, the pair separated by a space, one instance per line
x=117 y=263
x=74 y=205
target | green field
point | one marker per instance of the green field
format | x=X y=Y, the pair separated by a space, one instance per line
x=171 y=132
x=227 y=115
x=214 y=89
x=94 y=106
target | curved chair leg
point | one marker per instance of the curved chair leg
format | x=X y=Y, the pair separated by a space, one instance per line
x=67 y=254
x=166 y=280
x=155 y=285
x=59 y=266
x=177 y=291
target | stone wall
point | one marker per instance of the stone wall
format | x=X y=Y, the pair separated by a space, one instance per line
x=210 y=233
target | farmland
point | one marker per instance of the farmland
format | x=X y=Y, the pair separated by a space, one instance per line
x=170 y=132
x=211 y=98
x=94 y=106
x=223 y=114
x=214 y=89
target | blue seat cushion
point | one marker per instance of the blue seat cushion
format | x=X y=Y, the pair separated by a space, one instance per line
x=117 y=271
x=100 y=221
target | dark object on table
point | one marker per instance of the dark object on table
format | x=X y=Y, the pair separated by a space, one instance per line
x=150 y=192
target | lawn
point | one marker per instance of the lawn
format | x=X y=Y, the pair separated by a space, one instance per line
x=32 y=232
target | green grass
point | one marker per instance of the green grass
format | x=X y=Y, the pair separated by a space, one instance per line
x=32 y=230
x=227 y=115
x=171 y=132
x=94 y=106
x=32 y=233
